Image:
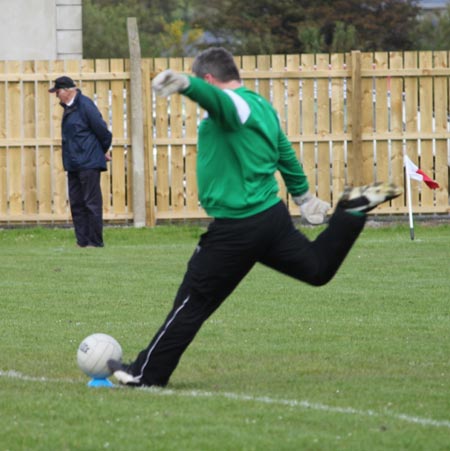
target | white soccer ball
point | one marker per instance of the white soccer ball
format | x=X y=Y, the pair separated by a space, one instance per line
x=93 y=353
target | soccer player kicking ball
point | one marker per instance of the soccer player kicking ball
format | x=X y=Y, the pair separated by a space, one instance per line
x=240 y=147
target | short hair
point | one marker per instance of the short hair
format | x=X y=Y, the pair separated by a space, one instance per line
x=218 y=62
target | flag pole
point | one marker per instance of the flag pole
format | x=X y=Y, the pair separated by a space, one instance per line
x=413 y=172
x=408 y=193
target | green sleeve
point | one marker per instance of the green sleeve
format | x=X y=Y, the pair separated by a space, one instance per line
x=215 y=101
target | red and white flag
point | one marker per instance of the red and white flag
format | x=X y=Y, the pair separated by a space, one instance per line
x=417 y=174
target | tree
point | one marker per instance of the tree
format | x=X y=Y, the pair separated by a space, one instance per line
x=434 y=31
x=285 y=26
x=312 y=40
x=161 y=30
x=181 y=27
x=105 y=29
x=379 y=24
x=176 y=40
x=267 y=26
x=344 y=38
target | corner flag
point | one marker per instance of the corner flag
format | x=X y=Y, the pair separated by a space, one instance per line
x=417 y=174
x=413 y=172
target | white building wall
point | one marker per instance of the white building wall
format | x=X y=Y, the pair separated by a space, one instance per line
x=40 y=29
x=69 y=37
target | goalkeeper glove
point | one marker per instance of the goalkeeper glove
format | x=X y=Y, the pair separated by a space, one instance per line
x=169 y=82
x=312 y=208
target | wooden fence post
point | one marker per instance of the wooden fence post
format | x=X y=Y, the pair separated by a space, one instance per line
x=355 y=162
x=137 y=124
x=147 y=67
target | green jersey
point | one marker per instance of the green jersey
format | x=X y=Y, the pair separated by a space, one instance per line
x=240 y=147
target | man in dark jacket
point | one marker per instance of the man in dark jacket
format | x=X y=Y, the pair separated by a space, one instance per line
x=85 y=143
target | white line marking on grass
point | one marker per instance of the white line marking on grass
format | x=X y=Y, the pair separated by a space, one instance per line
x=16 y=375
x=248 y=398
x=302 y=404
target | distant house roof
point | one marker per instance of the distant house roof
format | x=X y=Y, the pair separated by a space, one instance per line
x=433 y=4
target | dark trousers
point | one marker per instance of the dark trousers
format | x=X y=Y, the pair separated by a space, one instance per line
x=224 y=255
x=86 y=205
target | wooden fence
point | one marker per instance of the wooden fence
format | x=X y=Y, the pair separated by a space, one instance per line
x=350 y=118
x=33 y=185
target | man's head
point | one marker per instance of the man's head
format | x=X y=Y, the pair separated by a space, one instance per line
x=218 y=62
x=64 y=88
x=62 y=83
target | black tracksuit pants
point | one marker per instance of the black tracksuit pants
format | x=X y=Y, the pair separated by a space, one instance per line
x=86 y=206
x=225 y=254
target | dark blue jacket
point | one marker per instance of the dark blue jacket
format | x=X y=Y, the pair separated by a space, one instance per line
x=85 y=136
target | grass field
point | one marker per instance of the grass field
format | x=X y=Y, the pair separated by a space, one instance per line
x=360 y=364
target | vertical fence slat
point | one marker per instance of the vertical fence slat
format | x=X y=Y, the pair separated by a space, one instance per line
x=87 y=86
x=147 y=68
x=365 y=154
x=382 y=87
x=349 y=116
x=323 y=129
x=411 y=117
x=396 y=85
x=3 y=149
x=14 y=131
x=176 y=131
x=263 y=64
x=118 y=131
x=308 y=122
x=29 y=152
x=337 y=127
x=43 y=131
x=248 y=64
x=441 y=111
x=293 y=111
x=426 y=124
x=354 y=159
x=162 y=152
x=128 y=149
